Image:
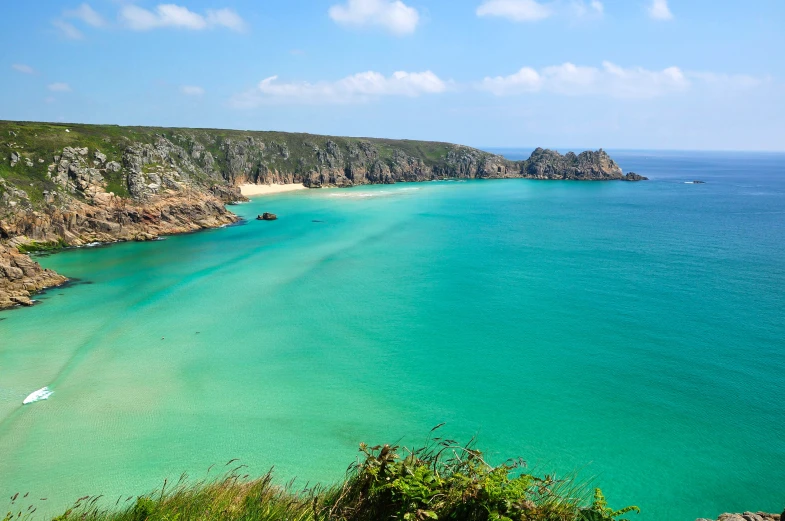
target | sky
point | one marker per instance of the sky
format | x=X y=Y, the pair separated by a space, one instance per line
x=635 y=74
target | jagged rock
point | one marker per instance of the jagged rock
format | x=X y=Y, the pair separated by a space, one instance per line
x=266 y=216
x=749 y=516
x=632 y=176
x=20 y=277
x=14 y=158
x=101 y=158
x=113 y=166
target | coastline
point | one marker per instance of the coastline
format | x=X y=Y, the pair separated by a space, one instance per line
x=253 y=190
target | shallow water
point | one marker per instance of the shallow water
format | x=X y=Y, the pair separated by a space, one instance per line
x=627 y=331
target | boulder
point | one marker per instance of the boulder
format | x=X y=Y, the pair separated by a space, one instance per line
x=113 y=166
x=266 y=216
x=101 y=158
x=14 y=158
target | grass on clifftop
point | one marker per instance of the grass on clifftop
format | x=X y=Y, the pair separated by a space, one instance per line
x=441 y=481
x=287 y=152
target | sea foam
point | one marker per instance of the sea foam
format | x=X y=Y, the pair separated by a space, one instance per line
x=37 y=396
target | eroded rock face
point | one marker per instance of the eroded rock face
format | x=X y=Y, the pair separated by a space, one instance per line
x=20 y=277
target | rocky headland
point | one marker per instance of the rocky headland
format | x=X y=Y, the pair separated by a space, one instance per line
x=70 y=185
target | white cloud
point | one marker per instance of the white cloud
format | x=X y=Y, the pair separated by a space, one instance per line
x=68 y=30
x=572 y=80
x=86 y=14
x=59 y=87
x=392 y=15
x=515 y=10
x=357 y=88
x=659 y=10
x=171 y=15
x=24 y=69
x=533 y=11
x=192 y=90
x=225 y=18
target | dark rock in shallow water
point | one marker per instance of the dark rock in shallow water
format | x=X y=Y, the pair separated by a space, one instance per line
x=266 y=216
x=632 y=176
x=699 y=182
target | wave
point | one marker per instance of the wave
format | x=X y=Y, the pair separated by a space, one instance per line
x=376 y=193
x=41 y=394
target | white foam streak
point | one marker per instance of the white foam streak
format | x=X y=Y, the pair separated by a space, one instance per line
x=37 y=396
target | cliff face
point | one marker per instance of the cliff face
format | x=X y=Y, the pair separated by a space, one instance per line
x=77 y=184
x=20 y=276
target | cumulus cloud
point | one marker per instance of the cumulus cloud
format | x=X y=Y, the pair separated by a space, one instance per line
x=59 y=87
x=533 y=11
x=68 y=30
x=515 y=10
x=86 y=14
x=572 y=80
x=659 y=10
x=192 y=90
x=357 y=88
x=24 y=69
x=391 y=15
x=171 y=15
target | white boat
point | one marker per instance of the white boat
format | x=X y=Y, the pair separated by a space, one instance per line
x=37 y=396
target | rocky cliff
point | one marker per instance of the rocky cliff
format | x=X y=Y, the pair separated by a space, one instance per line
x=75 y=184
x=20 y=276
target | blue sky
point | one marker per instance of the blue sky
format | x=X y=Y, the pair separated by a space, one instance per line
x=657 y=74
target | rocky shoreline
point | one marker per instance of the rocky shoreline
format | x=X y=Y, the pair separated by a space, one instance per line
x=748 y=516
x=72 y=185
x=20 y=277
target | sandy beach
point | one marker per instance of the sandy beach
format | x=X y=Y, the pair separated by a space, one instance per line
x=250 y=190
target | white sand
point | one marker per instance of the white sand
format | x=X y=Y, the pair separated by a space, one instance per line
x=250 y=190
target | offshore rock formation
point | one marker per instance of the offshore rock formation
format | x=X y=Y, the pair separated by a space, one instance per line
x=71 y=185
x=20 y=276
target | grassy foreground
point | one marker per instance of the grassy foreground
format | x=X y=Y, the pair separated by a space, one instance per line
x=442 y=481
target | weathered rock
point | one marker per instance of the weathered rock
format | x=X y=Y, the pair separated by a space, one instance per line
x=632 y=176
x=266 y=216
x=14 y=158
x=20 y=277
x=101 y=158
x=748 y=516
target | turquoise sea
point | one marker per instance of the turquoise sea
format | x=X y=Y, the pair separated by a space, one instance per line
x=630 y=332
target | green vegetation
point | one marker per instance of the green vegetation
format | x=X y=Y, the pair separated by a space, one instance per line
x=39 y=143
x=442 y=481
x=42 y=247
